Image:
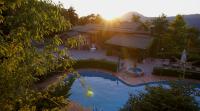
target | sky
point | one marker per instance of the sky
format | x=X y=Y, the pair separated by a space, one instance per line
x=114 y=8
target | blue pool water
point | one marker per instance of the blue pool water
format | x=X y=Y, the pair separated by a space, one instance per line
x=110 y=93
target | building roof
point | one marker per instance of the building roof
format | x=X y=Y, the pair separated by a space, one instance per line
x=69 y=34
x=131 y=41
x=125 y=27
x=72 y=33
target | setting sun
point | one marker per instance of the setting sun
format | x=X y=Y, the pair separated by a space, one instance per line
x=110 y=17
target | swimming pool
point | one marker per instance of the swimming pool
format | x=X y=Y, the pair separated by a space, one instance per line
x=109 y=92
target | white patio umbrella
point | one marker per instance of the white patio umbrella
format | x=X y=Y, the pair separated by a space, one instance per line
x=184 y=56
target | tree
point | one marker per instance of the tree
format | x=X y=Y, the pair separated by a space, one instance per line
x=173 y=37
x=160 y=25
x=183 y=36
x=98 y=19
x=178 y=33
x=92 y=18
x=192 y=39
x=159 y=98
x=160 y=28
x=22 y=23
x=71 y=15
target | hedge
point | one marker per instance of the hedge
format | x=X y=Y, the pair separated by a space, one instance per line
x=99 y=64
x=190 y=57
x=160 y=71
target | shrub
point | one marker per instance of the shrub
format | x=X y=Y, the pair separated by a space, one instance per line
x=176 y=73
x=41 y=78
x=159 y=98
x=197 y=63
x=99 y=64
x=194 y=57
x=59 y=91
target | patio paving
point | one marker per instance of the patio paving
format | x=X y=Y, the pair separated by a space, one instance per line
x=130 y=79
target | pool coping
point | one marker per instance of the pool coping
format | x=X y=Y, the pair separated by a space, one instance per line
x=121 y=80
x=164 y=79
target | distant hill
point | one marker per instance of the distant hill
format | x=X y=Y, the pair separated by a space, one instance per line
x=128 y=16
x=192 y=19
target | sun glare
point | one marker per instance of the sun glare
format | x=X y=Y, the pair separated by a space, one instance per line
x=110 y=17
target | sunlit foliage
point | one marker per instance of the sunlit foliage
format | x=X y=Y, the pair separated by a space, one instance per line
x=29 y=46
x=92 y=18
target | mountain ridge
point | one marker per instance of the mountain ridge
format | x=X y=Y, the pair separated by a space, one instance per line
x=192 y=20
